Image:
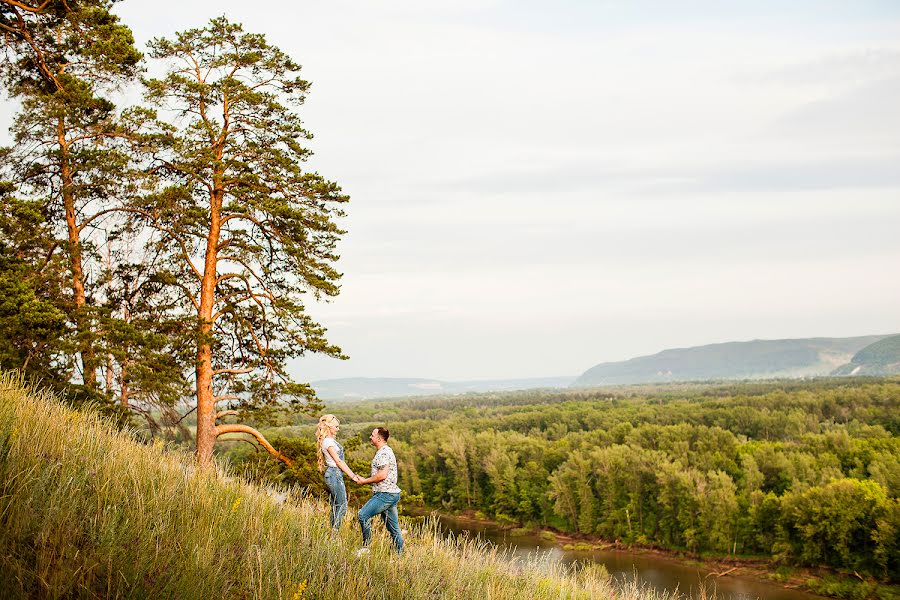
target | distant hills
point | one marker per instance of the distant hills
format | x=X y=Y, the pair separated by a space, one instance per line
x=361 y=388
x=879 y=358
x=757 y=359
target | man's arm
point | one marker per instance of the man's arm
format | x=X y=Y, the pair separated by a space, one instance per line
x=380 y=475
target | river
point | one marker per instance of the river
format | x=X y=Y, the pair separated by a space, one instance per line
x=655 y=571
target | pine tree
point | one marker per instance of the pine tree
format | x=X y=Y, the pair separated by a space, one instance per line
x=62 y=61
x=33 y=321
x=250 y=232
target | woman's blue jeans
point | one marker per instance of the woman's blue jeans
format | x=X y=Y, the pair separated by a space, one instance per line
x=337 y=493
x=384 y=504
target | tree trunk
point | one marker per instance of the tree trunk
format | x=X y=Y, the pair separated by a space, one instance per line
x=206 y=404
x=110 y=375
x=82 y=324
x=124 y=392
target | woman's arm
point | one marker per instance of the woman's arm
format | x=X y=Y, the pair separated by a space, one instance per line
x=341 y=464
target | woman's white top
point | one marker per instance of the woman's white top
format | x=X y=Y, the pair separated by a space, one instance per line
x=326 y=444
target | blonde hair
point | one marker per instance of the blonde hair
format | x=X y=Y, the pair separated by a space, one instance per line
x=327 y=423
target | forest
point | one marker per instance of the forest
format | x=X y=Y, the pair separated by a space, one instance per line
x=807 y=473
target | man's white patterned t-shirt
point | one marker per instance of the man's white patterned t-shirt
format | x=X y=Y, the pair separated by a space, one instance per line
x=385 y=457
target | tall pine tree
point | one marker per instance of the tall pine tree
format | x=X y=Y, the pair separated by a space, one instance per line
x=63 y=59
x=250 y=231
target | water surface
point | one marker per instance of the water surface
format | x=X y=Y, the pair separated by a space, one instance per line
x=655 y=571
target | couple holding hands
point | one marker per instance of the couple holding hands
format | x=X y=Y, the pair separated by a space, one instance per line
x=382 y=478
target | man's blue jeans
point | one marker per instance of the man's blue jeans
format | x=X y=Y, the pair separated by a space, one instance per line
x=337 y=493
x=384 y=504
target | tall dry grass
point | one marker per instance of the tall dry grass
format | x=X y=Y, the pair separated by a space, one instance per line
x=85 y=511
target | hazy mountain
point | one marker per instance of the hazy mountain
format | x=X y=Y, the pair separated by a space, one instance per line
x=360 y=388
x=756 y=359
x=879 y=358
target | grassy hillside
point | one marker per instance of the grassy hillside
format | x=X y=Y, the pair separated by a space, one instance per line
x=87 y=512
x=733 y=360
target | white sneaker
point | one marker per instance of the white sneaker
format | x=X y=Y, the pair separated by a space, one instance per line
x=362 y=551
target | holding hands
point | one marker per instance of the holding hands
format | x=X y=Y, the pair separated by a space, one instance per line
x=356 y=478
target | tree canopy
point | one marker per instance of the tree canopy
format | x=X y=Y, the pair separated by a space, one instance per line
x=184 y=235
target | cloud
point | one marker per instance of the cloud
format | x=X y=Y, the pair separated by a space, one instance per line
x=849 y=67
x=853 y=120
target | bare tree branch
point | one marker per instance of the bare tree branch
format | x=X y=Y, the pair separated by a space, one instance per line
x=184 y=415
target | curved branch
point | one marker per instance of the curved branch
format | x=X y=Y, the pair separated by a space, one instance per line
x=250 y=294
x=224 y=413
x=26 y=7
x=222 y=278
x=221 y=312
x=42 y=65
x=223 y=429
x=252 y=219
x=268 y=293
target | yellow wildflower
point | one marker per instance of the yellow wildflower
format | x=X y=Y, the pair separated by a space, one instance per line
x=300 y=589
x=235 y=506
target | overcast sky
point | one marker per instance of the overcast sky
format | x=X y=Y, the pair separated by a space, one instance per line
x=541 y=186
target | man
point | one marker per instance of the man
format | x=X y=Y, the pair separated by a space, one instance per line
x=385 y=493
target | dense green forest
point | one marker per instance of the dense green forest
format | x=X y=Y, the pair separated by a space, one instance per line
x=805 y=472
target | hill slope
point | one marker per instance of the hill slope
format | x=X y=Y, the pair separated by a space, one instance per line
x=879 y=358
x=756 y=359
x=85 y=511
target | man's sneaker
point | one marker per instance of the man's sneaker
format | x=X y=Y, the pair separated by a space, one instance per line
x=362 y=551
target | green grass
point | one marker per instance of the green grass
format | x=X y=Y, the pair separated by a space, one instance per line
x=85 y=511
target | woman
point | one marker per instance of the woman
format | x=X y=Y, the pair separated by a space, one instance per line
x=331 y=458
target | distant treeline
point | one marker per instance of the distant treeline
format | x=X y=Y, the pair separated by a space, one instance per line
x=808 y=473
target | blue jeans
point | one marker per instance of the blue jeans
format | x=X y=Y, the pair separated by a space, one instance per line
x=384 y=504
x=337 y=495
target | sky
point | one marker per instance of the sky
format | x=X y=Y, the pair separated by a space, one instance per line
x=538 y=187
